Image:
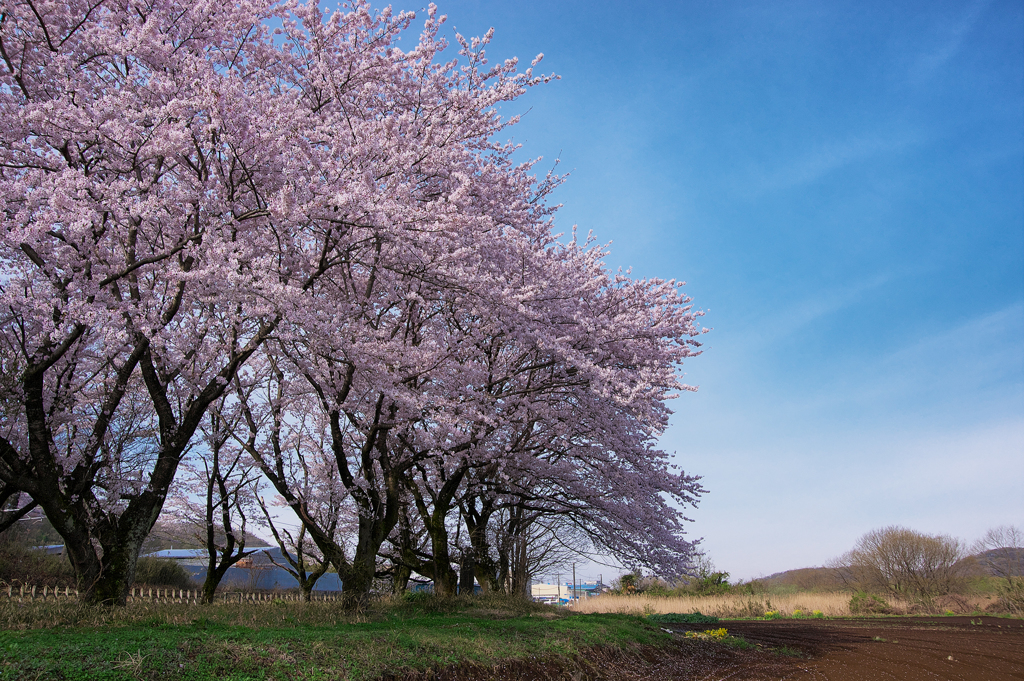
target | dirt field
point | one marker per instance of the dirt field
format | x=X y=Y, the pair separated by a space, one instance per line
x=989 y=649
x=906 y=648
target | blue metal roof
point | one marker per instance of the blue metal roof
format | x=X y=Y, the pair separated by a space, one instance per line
x=179 y=554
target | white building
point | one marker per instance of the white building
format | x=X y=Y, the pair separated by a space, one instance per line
x=551 y=593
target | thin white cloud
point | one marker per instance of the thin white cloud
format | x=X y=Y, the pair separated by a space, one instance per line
x=928 y=435
x=986 y=330
x=969 y=365
x=797 y=315
x=813 y=164
x=950 y=42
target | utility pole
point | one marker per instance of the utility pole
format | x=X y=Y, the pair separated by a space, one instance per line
x=575 y=596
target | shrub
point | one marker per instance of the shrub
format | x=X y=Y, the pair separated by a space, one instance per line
x=20 y=564
x=758 y=606
x=752 y=588
x=712 y=584
x=628 y=584
x=1001 y=552
x=901 y=562
x=417 y=596
x=868 y=604
x=162 y=572
x=683 y=618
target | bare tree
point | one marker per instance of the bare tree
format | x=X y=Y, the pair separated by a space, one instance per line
x=303 y=560
x=1001 y=550
x=216 y=497
x=532 y=541
x=901 y=562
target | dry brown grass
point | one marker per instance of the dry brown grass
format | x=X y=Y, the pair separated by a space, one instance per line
x=830 y=604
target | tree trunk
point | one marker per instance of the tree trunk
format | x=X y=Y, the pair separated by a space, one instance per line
x=484 y=565
x=105 y=573
x=209 y=587
x=355 y=587
x=105 y=577
x=467 y=570
x=378 y=508
x=400 y=581
x=485 y=568
x=520 y=577
x=105 y=559
x=445 y=579
x=117 y=574
x=407 y=558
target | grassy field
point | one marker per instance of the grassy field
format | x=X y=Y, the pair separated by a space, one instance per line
x=294 y=640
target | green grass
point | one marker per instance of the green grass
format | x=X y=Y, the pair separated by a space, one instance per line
x=683 y=618
x=291 y=642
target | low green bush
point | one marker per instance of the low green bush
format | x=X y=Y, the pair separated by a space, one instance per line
x=162 y=572
x=417 y=596
x=683 y=618
x=864 y=603
x=20 y=564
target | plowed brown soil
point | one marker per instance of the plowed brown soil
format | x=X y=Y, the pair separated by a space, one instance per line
x=905 y=648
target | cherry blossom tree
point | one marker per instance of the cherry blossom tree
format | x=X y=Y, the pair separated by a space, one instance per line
x=175 y=187
x=124 y=201
x=322 y=233
x=577 y=421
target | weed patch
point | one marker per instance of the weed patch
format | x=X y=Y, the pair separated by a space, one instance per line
x=868 y=604
x=682 y=618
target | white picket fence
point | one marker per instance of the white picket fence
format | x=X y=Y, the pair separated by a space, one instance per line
x=32 y=593
x=25 y=593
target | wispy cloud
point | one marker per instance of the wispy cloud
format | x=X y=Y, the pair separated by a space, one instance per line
x=993 y=328
x=949 y=44
x=799 y=314
x=810 y=165
x=971 y=370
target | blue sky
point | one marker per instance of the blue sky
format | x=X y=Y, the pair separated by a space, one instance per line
x=842 y=187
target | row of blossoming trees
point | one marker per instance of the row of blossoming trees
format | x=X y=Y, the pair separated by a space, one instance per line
x=302 y=245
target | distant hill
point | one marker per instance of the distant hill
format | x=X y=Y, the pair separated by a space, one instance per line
x=35 y=530
x=1000 y=562
x=997 y=562
x=807 y=579
x=169 y=535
